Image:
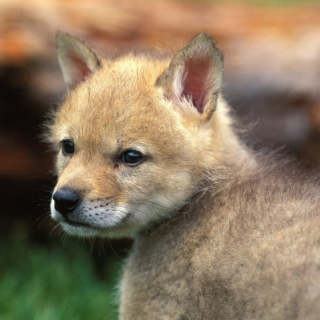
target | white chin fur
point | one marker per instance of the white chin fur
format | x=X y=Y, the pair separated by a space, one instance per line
x=78 y=230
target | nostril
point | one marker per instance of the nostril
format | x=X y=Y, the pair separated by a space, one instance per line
x=66 y=200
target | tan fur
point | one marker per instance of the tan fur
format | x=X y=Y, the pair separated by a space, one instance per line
x=218 y=233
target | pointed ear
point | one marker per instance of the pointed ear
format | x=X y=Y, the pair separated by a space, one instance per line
x=76 y=59
x=195 y=74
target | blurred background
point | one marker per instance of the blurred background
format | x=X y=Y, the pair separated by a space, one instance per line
x=272 y=80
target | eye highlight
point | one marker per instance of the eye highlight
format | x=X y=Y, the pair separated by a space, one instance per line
x=132 y=157
x=67 y=147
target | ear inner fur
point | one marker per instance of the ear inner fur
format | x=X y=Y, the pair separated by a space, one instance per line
x=194 y=83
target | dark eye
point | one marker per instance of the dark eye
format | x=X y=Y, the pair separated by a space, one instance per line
x=67 y=147
x=132 y=157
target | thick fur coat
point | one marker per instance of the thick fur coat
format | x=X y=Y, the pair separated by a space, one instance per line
x=146 y=148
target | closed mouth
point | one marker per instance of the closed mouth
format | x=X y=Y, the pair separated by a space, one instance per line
x=76 y=223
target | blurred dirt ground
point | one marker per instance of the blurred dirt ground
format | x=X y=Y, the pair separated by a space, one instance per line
x=272 y=76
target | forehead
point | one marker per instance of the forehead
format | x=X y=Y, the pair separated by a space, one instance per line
x=119 y=100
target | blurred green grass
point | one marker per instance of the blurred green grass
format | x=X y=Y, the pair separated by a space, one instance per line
x=55 y=281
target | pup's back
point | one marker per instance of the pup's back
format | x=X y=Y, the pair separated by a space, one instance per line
x=249 y=252
x=147 y=148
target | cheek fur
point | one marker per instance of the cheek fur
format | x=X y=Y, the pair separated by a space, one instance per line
x=165 y=187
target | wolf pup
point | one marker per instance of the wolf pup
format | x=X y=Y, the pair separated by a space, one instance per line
x=146 y=148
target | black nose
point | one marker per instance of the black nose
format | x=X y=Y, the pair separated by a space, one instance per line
x=66 y=200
